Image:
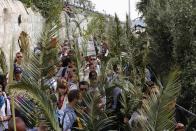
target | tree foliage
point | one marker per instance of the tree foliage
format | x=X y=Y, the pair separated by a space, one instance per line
x=171 y=26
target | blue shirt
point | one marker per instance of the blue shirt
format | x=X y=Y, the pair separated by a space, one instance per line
x=69 y=118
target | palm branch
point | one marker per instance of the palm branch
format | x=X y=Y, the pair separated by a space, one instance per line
x=160 y=110
x=94 y=119
x=32 y=79
x=3 y=62
x=30 y=84
x=130 y=97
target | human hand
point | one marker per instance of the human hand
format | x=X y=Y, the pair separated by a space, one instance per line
x=2 y=118
x=126 y=120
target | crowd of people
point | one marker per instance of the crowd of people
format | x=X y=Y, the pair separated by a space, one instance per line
x=70 y=89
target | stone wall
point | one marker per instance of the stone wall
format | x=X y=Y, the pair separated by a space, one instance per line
x=15 y=18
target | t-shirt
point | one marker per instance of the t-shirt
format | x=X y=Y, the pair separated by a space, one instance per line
x=4 y=125
x=69 y=118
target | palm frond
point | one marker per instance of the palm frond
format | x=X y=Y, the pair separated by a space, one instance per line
x=32 y=84
x=3 y=63
x=42 y=98
x=95 y=119
x=131 y=96
x=160 y=109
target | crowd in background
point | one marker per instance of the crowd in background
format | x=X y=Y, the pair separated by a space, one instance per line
x=70 y=91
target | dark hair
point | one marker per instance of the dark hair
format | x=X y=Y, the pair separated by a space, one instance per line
x=73 y=94
x=60 y=85
x=115 y=67
x=2 y=82
x=93 y=75
x=65 y=61
x=83 y=83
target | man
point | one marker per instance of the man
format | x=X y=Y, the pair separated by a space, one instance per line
x=83 y=87
x=69 y=117
x=18 y=58
x=17 y=66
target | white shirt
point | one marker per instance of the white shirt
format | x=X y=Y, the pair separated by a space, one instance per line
x=4 y=125
x=91 y=49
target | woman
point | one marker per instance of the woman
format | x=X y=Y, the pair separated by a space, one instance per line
x=62 y=99
x=5 y=112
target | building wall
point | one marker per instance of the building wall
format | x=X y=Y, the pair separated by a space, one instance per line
x=31 y=22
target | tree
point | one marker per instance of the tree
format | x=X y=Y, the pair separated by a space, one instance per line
x=171 y=27
x=183 y=32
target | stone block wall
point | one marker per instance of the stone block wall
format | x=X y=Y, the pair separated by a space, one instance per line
x=15 y=18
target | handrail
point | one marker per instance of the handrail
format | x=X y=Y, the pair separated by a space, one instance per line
x=187 y=111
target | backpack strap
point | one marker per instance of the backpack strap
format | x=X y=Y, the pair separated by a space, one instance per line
x=64 y=115
x=5 y=106
x=5 y=100
x=63 y=72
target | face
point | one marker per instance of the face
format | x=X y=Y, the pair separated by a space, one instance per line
x=155 y=91
x=19 y=57
x=20 y=125
x=83 y=88
x=93 y=77
x=92 y=67
x=71 y=72
x=63 y=91
x=76 y=100
x=17 y=76
x=92 y=60
x=65 y=49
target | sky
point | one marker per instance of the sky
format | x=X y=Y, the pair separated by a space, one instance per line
x=116 y=6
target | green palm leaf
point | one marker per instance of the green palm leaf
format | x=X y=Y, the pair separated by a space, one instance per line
x=42 y=99
x=160 y=109
x=94 y=119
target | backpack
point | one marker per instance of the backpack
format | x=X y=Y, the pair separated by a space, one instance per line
x=77 y=125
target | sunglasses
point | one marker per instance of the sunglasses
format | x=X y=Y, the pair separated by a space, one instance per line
x=144 y=97
x=93 y=59
x=19 y=56
x=83 y=89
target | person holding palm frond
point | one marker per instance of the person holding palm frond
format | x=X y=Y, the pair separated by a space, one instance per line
x=62 y=99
